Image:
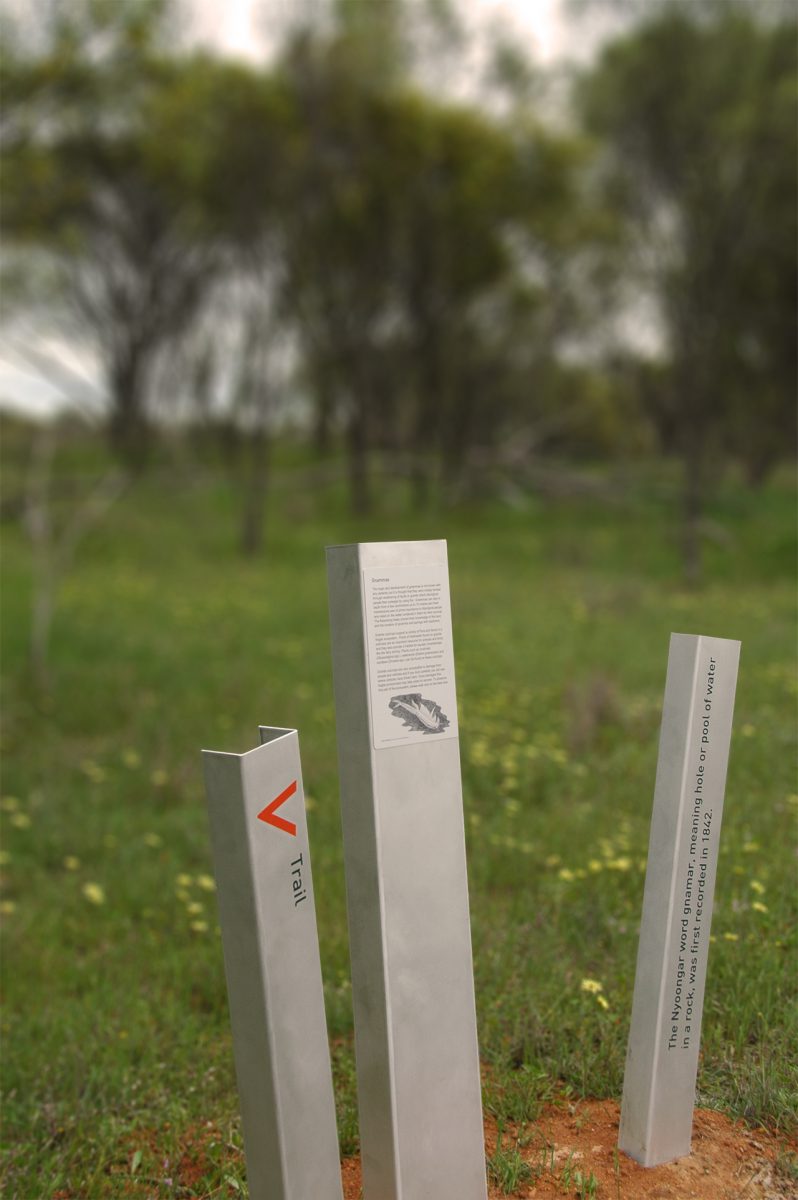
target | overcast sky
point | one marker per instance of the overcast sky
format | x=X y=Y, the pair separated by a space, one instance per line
x=242 y=26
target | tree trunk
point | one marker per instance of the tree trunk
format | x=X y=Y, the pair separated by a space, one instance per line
x=757 y=468
x=39 y=528
x=128 y=427
x=256 y=485
x=693 y=502
x=357 y=452
x=322 y=419
x=458 y=442
x=420 y=480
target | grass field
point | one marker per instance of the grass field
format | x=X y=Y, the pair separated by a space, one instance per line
x=165 y=640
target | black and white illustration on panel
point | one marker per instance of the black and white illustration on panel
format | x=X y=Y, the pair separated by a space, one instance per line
x=417 y=713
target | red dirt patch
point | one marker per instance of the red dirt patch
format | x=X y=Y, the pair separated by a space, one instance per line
x=728 y=1160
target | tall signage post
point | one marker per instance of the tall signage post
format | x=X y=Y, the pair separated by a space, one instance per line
x=271 y=952
x=662 y=1054
x=404 y=849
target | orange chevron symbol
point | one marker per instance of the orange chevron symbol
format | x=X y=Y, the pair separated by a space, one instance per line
x=269 y=813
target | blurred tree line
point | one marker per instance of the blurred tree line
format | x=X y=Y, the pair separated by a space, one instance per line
x=441 y=281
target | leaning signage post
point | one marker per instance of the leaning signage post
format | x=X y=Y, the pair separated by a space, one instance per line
x=271 y=952
x=662 y=1054
x=404 y=851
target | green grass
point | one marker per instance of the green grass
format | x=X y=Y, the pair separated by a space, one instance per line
x=507 y=1167
x=114 y=1027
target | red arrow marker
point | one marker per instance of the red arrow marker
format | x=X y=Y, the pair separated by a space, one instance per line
x=269 y=813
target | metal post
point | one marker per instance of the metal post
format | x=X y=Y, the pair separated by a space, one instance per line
x=271 y=953
x=407 y=894
x=662 y=1055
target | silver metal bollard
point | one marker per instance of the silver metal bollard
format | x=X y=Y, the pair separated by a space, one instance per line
x=407 y=895
x=271 y=953
x=662 y=1055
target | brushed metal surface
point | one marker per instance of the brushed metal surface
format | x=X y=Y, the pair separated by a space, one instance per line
x=416 y=1049
x=662 y=1053
x=274 y=983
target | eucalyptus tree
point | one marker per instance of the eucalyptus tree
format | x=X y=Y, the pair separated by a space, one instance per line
x=697 y=108
x=93 y=182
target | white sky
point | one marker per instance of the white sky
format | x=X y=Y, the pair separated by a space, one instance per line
x=241 y=26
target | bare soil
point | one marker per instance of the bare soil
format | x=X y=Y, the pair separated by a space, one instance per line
x=728 y=1161
x=570 y=1151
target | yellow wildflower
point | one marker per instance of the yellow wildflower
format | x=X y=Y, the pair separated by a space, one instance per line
x=131 y=759
x=731 y=937
x=552 y=860
x=20 y=820
x=9 y=804
x=757 y=887
x=71 y=863
x=591 y=985
x=748 y=730
x=153 y=839
x=183 y=880
x=620 y=864
x=566 y=873
x=199 y=926
x=603 y=1002
x=595 y=865
x=93 y=893
x=758 y=906
x=91 y=769
x=195 y=908
x=750 y=847
x=480 y=754
x=206 y=882
x=159 y=778
x=7 y=907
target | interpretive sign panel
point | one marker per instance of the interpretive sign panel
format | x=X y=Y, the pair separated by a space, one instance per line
x=662 y=1054
x=271 y=953
x=410 y=654
x=404 y=850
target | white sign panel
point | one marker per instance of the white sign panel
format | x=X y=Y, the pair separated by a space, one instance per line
x=410 y=654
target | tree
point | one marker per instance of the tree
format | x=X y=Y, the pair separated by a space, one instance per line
x=697 y=106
